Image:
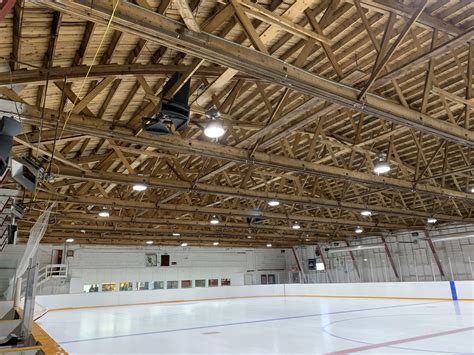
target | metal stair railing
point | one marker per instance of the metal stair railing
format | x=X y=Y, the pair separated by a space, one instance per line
x=51 y=271
x=4 y=226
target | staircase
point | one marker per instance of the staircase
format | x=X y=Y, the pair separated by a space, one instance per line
x=5 y=221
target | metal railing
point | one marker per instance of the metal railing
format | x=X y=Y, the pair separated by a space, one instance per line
x=4 y=225
x=51 y=271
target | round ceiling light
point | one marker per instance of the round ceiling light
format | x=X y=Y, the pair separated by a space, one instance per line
x=273 y=203
x=381 y=167
x=359 y=230
x=269 y=245
x=432 y=220
x=366 y=213
x=139 y=187
x=104 y=212
x=296 y=226
x=215 y=243
x=214 y=129
x=149 y=242
x=69 y=240
x=184 y=244
x=214 y=220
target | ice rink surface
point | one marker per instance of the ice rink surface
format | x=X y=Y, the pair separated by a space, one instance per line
x=293 y=325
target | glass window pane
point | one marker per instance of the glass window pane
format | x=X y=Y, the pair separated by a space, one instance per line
x=126 y=286
x=107 y=287
x=158 y=285
x=186 y=284
x=225 y=282
x=91 y=288
x=213 y=282
x=172 y=284
x=200 y=283
x=143 y=285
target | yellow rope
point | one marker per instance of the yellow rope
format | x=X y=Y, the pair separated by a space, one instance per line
x=90 y=67
x=82 y=86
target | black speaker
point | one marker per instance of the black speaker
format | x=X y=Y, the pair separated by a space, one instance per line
x=9 y=127
x=174 y=111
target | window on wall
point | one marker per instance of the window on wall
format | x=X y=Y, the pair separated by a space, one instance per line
x=108 y=287
x=172 y=284
x=186 y=284
x=126 y=286
x=225 y=282
x=158 y=285
x=143 y=285
x=213 y=282
x=200 y=283
x=91 y=288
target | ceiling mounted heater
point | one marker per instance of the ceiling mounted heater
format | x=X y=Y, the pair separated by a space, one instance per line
x=174 y=112
x=9 y=127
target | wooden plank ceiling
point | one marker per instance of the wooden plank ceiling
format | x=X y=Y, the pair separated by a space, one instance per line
x=310 y=92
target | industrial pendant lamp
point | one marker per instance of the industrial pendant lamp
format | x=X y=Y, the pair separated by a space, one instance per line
x=380 y=165
x=215 y=127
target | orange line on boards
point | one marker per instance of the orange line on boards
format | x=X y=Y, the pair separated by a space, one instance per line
x=48 y=344
x=229 y=298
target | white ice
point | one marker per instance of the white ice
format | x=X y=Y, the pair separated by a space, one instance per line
x=293 y=325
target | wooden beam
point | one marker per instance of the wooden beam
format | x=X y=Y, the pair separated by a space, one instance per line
x=267 y=16
x=161 y=30
x=385 y=57
x=187 y=15
x=187 y=146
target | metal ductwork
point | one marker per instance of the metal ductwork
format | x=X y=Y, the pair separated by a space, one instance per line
x=9 y=127
x=454 y=236
x=173 y=112
x=354 y=248
x=28 y=171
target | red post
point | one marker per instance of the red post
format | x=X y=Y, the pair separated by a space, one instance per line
x=354 y=261
x=435 y=254
x=319 y=252
x=389 y=255
x=5 y=6
x=297 y=260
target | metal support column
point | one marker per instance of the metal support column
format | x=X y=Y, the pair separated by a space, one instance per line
x=353 y=260
x=435 y=254
x=319 y=253
x=30 y=295
x=300 y=269
x=390 y=259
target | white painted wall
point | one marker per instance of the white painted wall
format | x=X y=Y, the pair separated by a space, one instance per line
x=420 y=290
x=101 y=264
x=414 y=261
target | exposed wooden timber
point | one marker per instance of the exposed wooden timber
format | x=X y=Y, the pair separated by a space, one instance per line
x=160 y=29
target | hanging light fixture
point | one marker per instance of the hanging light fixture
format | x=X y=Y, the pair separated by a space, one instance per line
x=273 y=203
x=215 y=127
x=472 y=189
x=366 y=213
x=104 y=212
x=69 y=240
x=149 y=242
x=184 y=244
x=214 y=220
x=359 y=230
x=139 y=187
x=432 y=220
x=215 y=244
x=380 y=165
x=269 y=245
x=296 y=226
x=176 y=234
x=249 y=237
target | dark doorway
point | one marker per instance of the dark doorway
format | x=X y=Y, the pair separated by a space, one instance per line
x=165 y=260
